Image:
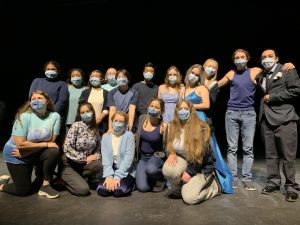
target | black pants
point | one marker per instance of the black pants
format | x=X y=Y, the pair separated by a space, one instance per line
x=74 y=175
x=280 y=140
x=21 y=174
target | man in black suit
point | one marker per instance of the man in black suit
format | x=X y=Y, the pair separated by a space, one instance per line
x=278 y=120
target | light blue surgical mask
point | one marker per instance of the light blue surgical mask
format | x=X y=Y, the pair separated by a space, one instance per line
x=184 y=114
x=268 y=63
x=121 y=81
x=210 y=71
x=38 y=104
x=51 y=74
x=193 y=78
x=87 y=116
x=95 y=81
x=153 y=112
x=148 y=75
x=112 y=80
x=172 y=79
x=118 y=127
x=76 y=81
x=240 y=63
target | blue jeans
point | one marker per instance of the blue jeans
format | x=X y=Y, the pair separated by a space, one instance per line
x=240 y=123
x=148 y=171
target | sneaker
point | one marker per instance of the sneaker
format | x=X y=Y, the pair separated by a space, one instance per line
x=48 y=191
x=4 y=179
x=248 y=185
x=235 y=184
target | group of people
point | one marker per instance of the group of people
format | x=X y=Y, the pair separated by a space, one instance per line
x=115 y=137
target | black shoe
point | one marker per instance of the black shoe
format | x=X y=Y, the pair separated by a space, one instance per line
x=269 y=190
x=48 y=191
x=174 y=195
x=159 y=186
x=291 y=196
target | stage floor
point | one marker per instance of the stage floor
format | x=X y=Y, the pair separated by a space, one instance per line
x=242 y=207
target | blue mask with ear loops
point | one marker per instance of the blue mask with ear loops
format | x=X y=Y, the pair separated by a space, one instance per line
x=37 y=104
x=87 y=116
x=184 y=114
x=51 y=74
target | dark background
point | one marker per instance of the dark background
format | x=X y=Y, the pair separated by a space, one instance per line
x=97 y=34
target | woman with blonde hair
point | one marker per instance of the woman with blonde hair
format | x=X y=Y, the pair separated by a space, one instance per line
x=170 y=92
x=119 y=165
x=191 y=162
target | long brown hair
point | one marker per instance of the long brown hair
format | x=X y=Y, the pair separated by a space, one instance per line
x=26 y=107
x=196 y=134
x=92 y=124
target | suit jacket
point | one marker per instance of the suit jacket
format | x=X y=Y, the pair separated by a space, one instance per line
x=283 y=87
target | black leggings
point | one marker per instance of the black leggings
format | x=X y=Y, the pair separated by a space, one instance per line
x=21 y=174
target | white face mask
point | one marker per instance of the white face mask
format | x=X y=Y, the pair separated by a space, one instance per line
x=210 y=71
x=172 y=79
x=240 y=63
x=268 y=63
x=51 y=74
x=148 y=75
x=193 y=78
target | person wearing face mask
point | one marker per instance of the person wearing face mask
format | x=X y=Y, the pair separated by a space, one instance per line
x=210 y=82
x=241 y=116
x=32 y=143
x=57 y=89
x=278 y=90
x=149 y=147
x=190 y=164
x=110 y=81
x=119 y=164
x=82 y=156
x=97 y=96
x=197 y=93
x=146 y=89
x=170 y=92
x=123 y=99
x=76 y=85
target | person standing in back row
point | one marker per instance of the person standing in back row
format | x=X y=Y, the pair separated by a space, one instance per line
x=278 y=120
x=240 y=118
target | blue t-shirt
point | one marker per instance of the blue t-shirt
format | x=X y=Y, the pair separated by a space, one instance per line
x=34 y=129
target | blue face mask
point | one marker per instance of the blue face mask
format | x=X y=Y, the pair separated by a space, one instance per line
x=268 y=63
x=172 y=79
x=148 y=75
x=38 y=104
x=122 y=81
x=87 y=116
x=240 y=63
x=210 y=71
x=184 y=114
x=112 y=80
x=51 y=74
x=193 y=78
x=153 y=112
x=76 y=81
x=95 y=81
x=118 y=127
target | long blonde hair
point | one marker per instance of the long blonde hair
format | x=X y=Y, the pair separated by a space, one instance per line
x=196 y=134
